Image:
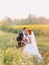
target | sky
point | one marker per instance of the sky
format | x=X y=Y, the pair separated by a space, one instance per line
x=22 y=8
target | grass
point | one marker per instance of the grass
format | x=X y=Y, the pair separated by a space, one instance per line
x=42 y=41
x=10 y=55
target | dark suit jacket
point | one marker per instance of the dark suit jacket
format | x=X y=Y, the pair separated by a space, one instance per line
x=19 y=39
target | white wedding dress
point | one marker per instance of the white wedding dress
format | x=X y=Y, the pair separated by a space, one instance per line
x=31 y=48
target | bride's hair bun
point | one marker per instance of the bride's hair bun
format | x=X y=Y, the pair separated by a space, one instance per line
x=29 y=31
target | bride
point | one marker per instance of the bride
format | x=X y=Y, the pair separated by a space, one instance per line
x=31 y=46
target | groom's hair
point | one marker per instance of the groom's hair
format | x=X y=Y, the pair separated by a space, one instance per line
x=24 y=28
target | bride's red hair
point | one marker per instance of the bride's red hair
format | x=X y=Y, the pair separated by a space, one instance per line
x=29 y=31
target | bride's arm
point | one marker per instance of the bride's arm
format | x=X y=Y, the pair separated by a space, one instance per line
x=29 y=40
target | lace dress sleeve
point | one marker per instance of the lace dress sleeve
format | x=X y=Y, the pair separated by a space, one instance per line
x=29 y=39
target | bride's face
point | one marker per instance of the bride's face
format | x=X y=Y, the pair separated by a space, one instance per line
x=29 y=32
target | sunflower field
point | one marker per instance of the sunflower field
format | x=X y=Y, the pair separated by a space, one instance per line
x=10 y=55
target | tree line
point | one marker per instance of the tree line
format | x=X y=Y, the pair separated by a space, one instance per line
x=31 y=19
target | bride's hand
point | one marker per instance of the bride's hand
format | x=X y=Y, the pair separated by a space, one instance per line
x=29 y=40
x=25 y=40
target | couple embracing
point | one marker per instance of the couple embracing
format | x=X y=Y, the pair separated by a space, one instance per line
x=27 y=38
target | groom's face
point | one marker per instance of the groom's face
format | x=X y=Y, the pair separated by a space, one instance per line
x=25 y=31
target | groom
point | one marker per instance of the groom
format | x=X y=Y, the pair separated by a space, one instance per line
x=22 y=37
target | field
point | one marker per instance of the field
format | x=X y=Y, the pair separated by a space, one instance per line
x=38 y=29
x=10 y=55
x=43 y=27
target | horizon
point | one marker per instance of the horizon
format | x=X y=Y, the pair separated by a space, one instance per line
x=6 y=17
x=19 y=9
